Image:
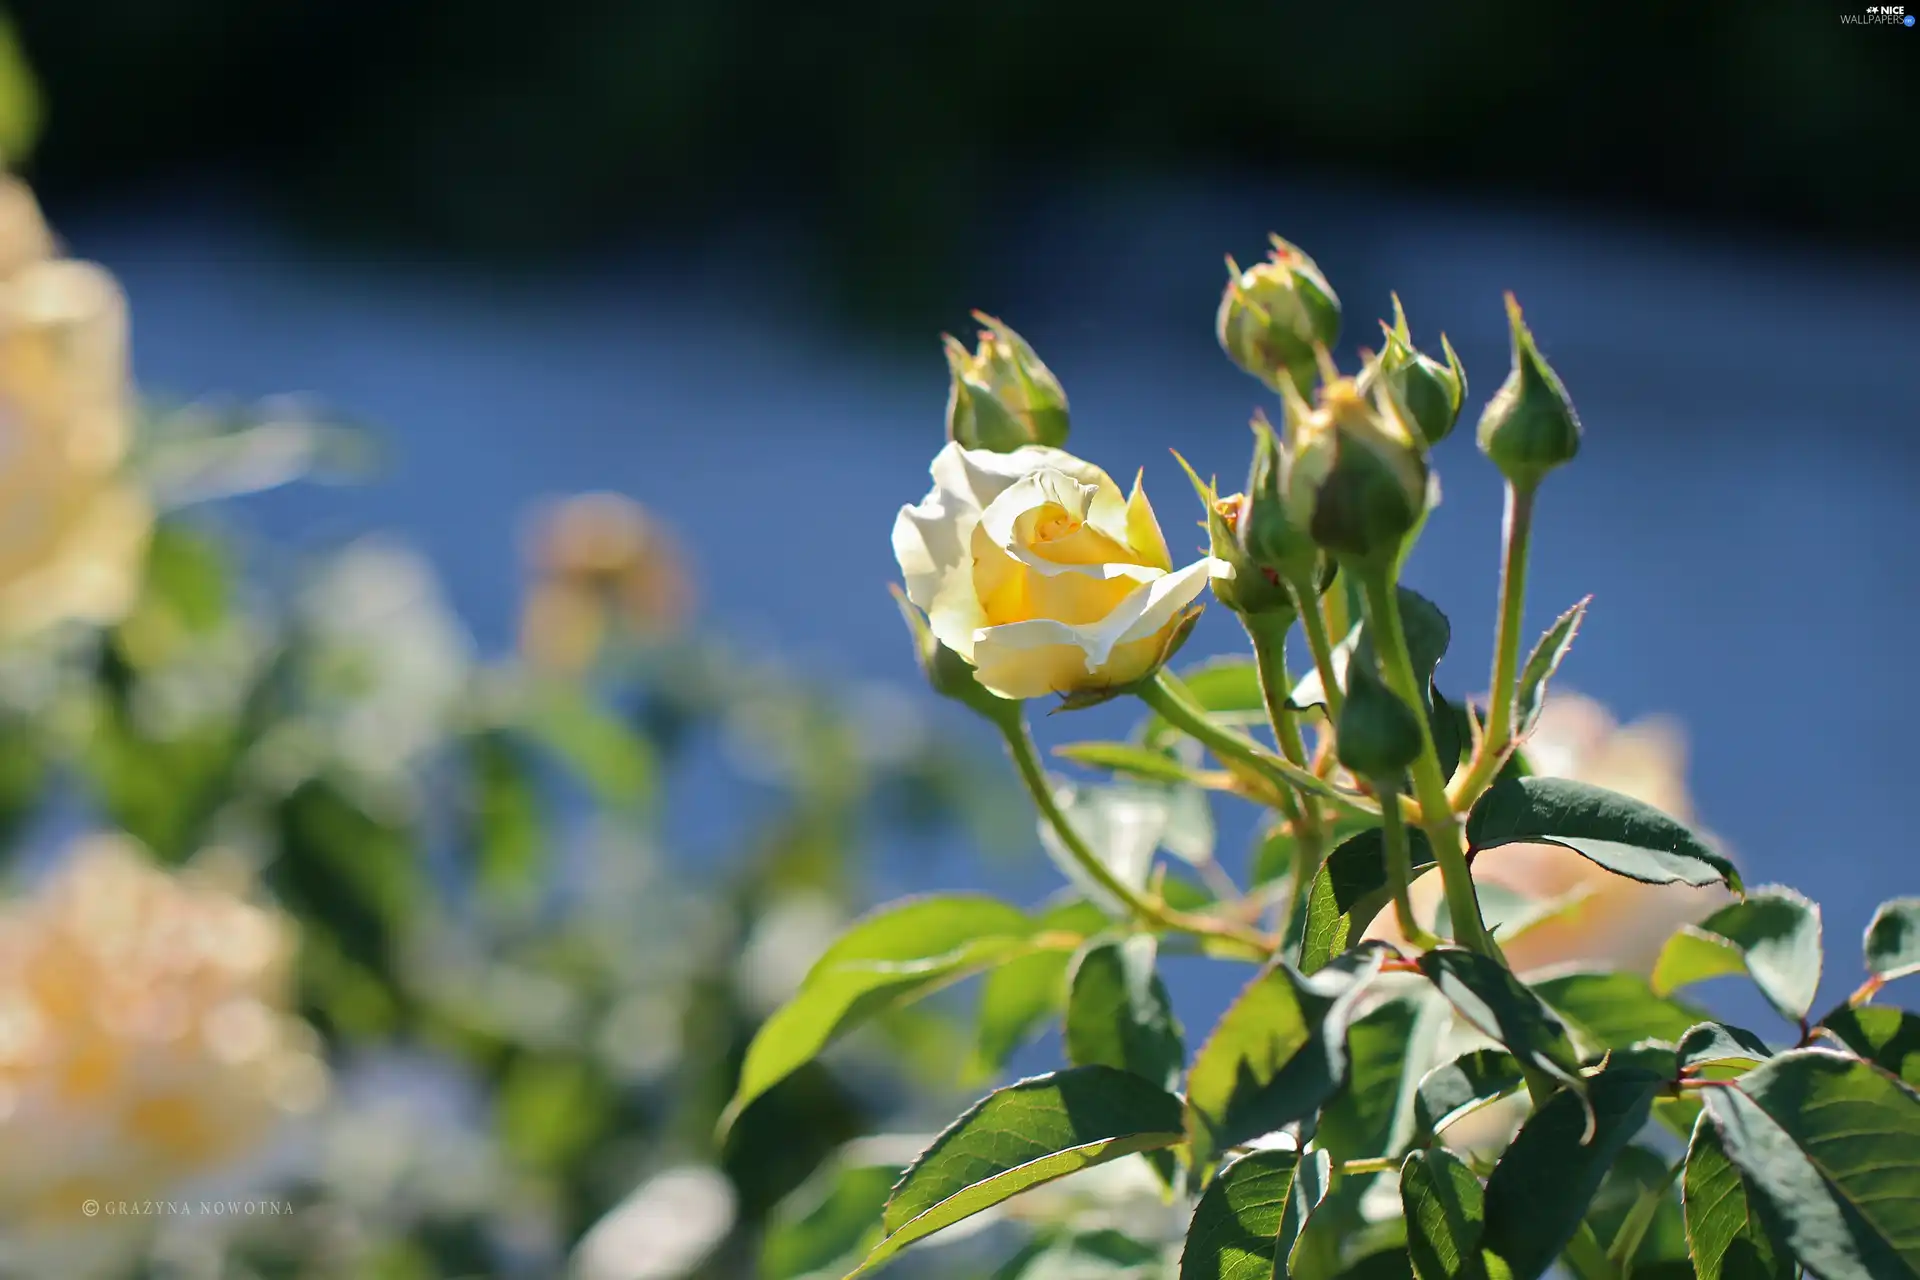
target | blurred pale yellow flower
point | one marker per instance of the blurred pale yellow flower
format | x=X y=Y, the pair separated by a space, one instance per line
x=1607 y=921
x=144 y=1034
x=72 y=531
x=1037 y=569
x=600 y=561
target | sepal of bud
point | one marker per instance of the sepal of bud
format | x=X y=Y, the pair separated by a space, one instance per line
x=1529 y=427
x=1357 y=478
x=1251 y=589
x=1270 y=537
x=1002 y=395
x=1427 y=393
x=1274 y=313
x=1378 y=734
x=949 y=674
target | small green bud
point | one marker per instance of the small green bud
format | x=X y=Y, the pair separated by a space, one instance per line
x=1003 y=396
x=1358 y=478
x=1273 y=314
x=950 y=675
x=1428 y=393
x=1251 y=589
x=1269 y=536
x=1529 y=427
x=1378 y=735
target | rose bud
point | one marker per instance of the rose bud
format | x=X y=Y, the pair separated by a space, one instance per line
x=1002 y=396
x=1357 y=476
x=1378 y=735
x=1274 y=313
x=1428 y=393
x=1529 y=427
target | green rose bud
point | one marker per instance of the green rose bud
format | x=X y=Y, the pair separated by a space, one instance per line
x=1378 y=735
x=1529 y=426
x=1357 y=481
x=1269 y=535
x=1428 y=393
x=950 y=675
x=1251 y=589
x=1002 y=395
x=1272 y=315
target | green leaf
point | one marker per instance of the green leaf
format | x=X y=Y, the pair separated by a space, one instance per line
x=1774 y=934
x=1615 y=1010
x=1830 y=1148
x=1348 y=891
x=1489 y=997
x=1893 y=939
x=1530 y=694
x=899 y=953
x=1428 y=634
x=1124 y=757
x=509 y=831
x=1637 y=1214
x=1888 y=1038
x=1538 y=1194
x=1118 y=1013
x=833 y=1217
x=1467 y=1083
x=614 y=762
x=1359 y=1121
x=1611 y=830
x=1020 y=995
x=1247 y=1222
x=1019 y=1137
x=1276 y=1055
x=1729 y=1239
x=1086 y=1255
x=1445 y=1210
x=1717 y=1042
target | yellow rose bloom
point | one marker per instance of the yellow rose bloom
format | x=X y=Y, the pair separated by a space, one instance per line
x=1033 y=567
x=72 y=534
x=144 y=1034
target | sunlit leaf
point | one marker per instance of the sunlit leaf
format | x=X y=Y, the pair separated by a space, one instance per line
x=1019 y=1137
x=1830 y=1148
x=1347 y=892
x=1888 y=1038
x=1729 y=1238
x=1893 y=939
x=1276 y=1056
x=1773 y=933
x=899 y=953
x=1530 y=693
x=1626 y=836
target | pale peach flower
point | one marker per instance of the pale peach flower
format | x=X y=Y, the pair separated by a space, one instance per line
x=145 y=1037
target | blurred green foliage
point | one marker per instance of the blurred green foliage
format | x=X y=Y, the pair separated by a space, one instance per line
x=476 y=851
x=902 y=133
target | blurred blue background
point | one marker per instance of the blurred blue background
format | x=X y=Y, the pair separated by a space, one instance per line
x=700 y=254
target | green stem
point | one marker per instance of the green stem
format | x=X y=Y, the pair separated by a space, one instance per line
x=1161 y=694
x=1429 y=783
x=1400 y=867
x=1269 y=634
x=1320 y=645
x=1516 y=536
x=1026 y=759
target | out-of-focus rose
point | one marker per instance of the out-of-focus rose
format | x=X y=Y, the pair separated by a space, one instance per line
x=144 y=1037
x=1033 y=566
x=1615 y=922
x=600 y=561
x=72 y=532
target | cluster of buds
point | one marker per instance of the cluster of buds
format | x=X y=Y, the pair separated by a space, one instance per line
x=76 y=532
x=602 y=564
x=145 y=1038
x=1003 y=396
